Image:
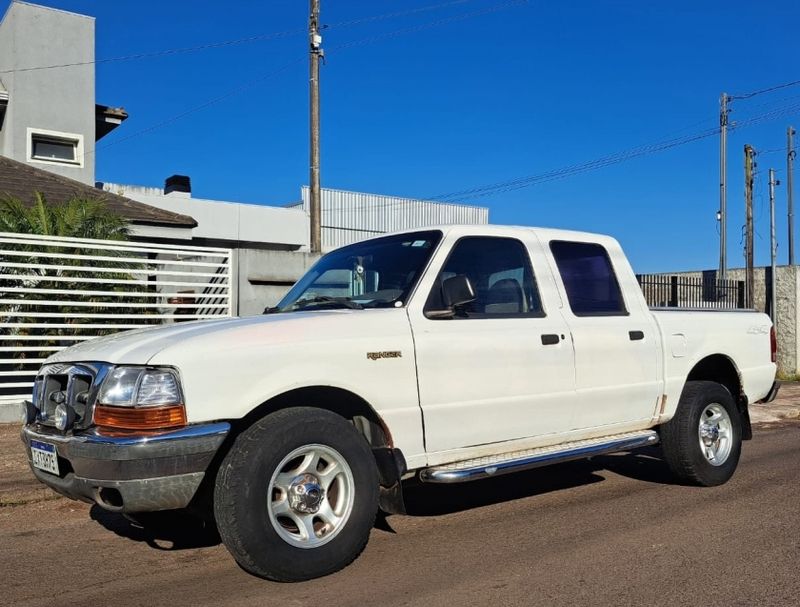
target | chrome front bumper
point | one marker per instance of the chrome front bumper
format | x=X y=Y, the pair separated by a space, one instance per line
x=130 y=473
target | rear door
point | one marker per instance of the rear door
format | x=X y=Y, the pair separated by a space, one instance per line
x=503 y=368
x=616 y=341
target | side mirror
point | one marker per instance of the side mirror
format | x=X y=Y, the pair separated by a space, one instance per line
x=456 y=291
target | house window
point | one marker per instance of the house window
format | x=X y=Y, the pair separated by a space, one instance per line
x=55 y=147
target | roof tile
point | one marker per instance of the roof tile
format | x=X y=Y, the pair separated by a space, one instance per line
x=19 y=180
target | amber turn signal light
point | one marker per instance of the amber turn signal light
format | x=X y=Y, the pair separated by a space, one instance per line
x=140 y=418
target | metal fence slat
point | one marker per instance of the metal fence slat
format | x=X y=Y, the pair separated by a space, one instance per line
x=676 y=291
x=144 y=285
x=97 y=269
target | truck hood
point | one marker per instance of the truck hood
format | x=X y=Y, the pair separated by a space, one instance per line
x=141 y=346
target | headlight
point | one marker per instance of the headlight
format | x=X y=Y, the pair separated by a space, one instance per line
x=140 y=398
x=119 y=388
x=140 y=386
x=158 y=388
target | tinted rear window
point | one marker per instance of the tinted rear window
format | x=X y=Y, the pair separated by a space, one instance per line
x=589 y=279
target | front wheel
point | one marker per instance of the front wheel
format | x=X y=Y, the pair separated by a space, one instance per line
x=703 y=441
x=296 y=496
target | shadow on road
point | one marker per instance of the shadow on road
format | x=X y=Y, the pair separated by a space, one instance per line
x=176 y=530
x=431 y=500
x=646 y=464
x=169 y=530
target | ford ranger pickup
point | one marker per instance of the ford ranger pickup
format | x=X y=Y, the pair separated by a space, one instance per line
x=444 y=355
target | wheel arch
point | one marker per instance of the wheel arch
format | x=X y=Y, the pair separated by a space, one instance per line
x=721 y=369
x=331 y=398
x=389 y=460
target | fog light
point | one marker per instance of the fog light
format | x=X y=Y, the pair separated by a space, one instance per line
x=27 y=412
x=64 y=416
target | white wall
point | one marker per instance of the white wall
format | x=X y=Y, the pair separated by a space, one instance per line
x=60 y=99
x=228 y=221
x=264 y=277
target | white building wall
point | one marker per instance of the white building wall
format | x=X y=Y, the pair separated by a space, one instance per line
x=230 y=222
x=57 y=100
x=271 y=244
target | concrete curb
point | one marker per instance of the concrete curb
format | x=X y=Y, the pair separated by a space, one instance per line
x=9 y=413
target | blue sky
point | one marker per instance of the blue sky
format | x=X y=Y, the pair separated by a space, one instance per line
x=515 y=92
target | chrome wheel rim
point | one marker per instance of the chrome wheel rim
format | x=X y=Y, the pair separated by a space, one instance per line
x=716 y=434
x=311 y=496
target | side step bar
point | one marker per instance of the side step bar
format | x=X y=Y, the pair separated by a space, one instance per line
x=494 y=465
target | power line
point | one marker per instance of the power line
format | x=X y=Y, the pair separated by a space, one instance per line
x=396 y=14
x=575 y=169
x=772 y=102
x=239 y=41
x=162 y=53
x=360 y=42
x=771 y=151
x=581 y=168
x=247 y=85
x=430 y=24
x=766 y=90
x=569 y=171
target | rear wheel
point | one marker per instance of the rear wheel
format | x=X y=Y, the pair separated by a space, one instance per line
x=296 y=496
x=703 y=441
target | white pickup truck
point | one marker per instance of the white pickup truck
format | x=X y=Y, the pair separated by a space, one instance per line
x=446 y=354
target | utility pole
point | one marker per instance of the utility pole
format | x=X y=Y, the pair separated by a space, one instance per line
x=749 y=155
x=790 y=189
x=723 y=192
x=316 y=52
x=773 y=310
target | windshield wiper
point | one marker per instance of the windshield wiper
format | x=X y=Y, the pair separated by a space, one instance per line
x=325 y=299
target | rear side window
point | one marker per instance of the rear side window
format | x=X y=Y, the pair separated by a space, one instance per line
x=589 y=279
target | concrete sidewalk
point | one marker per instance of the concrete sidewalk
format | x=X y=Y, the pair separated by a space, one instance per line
x=785 y=407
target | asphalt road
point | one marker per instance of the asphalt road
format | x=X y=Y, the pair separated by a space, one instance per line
x=613 y=531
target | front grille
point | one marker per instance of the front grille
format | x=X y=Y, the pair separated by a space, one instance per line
x=74 y=385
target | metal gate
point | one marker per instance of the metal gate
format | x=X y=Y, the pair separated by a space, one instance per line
x=56 y=292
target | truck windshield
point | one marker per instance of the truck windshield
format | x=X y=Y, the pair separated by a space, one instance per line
x=377 y=273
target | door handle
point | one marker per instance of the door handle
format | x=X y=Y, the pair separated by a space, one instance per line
x=550 y=339
x=636 y=335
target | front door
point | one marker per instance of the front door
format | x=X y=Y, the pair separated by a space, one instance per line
x=502 y=368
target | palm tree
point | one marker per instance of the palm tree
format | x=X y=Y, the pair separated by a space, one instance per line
x=76 y=218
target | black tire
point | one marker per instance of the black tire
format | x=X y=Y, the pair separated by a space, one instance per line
x=680 y=437
x=243 y=488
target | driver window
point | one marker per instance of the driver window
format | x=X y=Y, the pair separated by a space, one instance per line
x=499 y=270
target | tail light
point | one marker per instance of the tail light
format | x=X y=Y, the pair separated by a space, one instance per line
x=773 y=344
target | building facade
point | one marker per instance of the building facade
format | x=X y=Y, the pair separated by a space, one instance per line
x=48 y=115
x=271 y=244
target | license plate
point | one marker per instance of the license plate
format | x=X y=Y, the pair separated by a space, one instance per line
x=43 y=456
